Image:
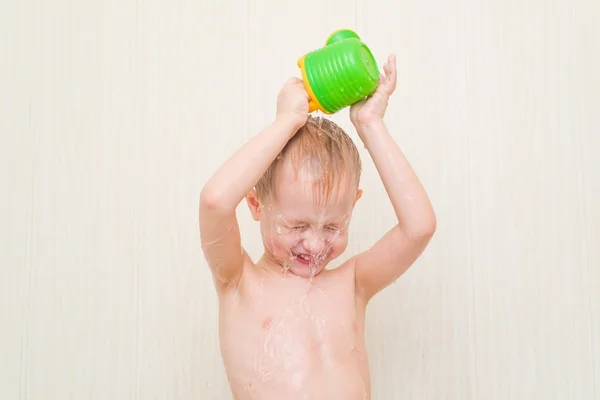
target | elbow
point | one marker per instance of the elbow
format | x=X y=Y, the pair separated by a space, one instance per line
x=208 y=198
x=211 y=200
x=429 y=226
x=424 y=228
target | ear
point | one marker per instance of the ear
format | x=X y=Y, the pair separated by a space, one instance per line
x=359 y=193
x=253 y=204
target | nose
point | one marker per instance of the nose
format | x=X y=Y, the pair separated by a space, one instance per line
x=314 y=243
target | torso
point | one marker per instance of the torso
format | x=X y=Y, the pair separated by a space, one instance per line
x=285 y=338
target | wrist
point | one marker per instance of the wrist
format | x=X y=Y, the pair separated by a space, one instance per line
x=373 y=127
x=290 y=122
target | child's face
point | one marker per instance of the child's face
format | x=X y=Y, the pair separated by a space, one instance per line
x=300 y=232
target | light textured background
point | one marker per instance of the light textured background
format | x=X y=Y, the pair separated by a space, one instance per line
x=114 y=113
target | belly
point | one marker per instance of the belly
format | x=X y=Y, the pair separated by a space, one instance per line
x=304 y=367
x=315 y=380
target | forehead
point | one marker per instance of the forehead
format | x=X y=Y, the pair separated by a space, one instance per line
x=304 y=192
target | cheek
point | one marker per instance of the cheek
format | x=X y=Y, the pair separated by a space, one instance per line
x=339 y=244
x=278 y=243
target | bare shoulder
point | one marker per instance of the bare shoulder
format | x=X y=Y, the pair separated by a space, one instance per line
x=344 y=272
x=251 y=282
x=342 y=280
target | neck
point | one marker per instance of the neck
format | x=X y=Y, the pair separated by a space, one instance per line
x=268 y=263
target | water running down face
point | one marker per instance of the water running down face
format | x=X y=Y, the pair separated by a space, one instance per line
x=306 y=200
x=301 y=233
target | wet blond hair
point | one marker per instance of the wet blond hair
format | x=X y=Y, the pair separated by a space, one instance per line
x=322 y=148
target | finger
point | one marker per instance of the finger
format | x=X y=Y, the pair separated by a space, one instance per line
x=386 y=68
x=305 y=93
x=392 y=63
x=393 y=74
x=294 y=81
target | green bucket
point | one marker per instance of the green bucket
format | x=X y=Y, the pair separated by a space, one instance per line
x=340 y=74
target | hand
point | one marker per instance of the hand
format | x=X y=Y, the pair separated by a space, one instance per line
x=373 y=108
x=292 y=102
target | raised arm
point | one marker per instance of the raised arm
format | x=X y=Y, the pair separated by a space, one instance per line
x=219 y=230
x=400 y=247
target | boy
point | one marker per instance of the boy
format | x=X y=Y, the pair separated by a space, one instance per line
x=289 y=329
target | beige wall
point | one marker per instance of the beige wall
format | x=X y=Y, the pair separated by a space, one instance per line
x=114 y=113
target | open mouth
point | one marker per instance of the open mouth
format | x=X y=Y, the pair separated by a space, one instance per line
x=307 y=259
x=303 y=258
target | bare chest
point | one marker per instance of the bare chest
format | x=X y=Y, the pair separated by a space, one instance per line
x=290 y=337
